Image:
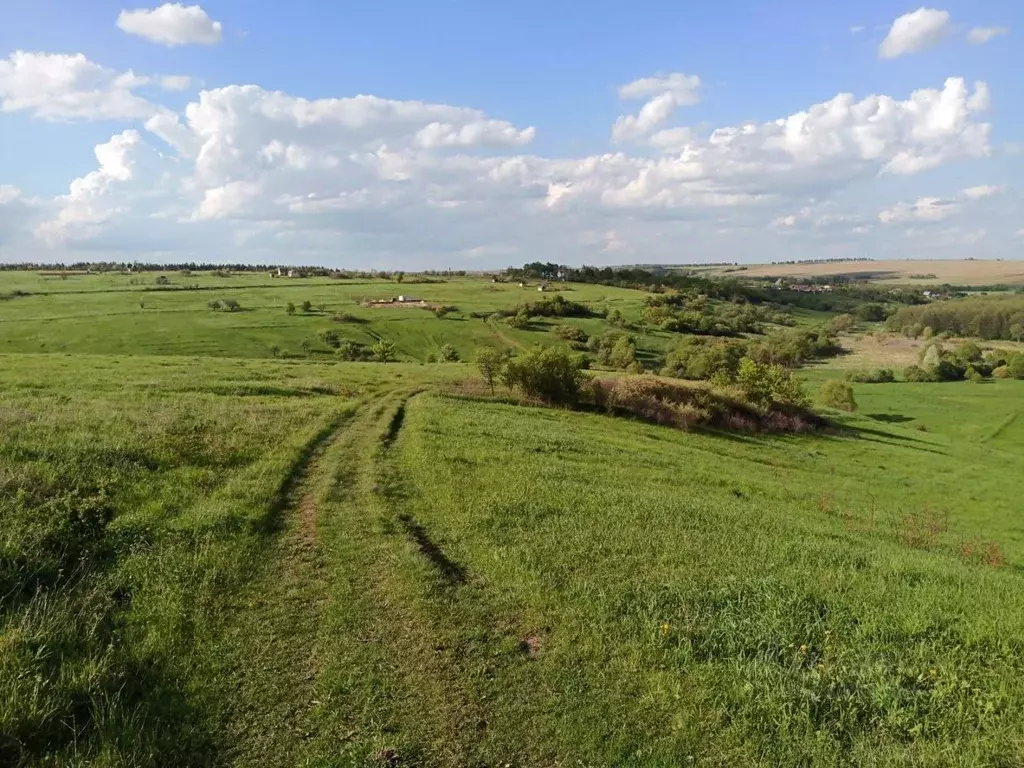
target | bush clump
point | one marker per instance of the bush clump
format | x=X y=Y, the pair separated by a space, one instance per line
x=351 y=352
x=838 y=394
x=570 y=333
x=877 y=376
x=551 y=375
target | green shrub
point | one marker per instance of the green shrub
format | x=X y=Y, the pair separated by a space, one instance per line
x=571 y=333
x=871 y=313
x=877 y=376
x=307 y=306
x=442 y=310
x=1015 y=366
x=702 y=357
x=915 y=373
x=838 y=394
x=330 y=338
x=448 y=354
x=350 y=351
x=384 y=351
x=520 y=319
x=552 y=375
x=842 y=323
x=764 y=384
x=290 y=308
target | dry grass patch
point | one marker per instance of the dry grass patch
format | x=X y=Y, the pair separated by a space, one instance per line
x=689 y=405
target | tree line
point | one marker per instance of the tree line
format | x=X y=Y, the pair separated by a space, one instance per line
x=978 y=317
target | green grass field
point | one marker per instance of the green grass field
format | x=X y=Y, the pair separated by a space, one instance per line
x=209 y=556
x=105 y=314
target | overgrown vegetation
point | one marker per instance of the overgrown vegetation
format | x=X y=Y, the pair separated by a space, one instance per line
x=751 y=407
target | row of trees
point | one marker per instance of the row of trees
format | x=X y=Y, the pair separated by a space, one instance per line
x=979 y=317
x=696 y=357
x=844 y=296
x=966 y=361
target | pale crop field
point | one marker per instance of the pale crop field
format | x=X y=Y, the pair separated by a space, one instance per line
x=955 y=272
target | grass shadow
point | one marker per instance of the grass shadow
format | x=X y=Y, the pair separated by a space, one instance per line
x=451 y=572
x=890 y=418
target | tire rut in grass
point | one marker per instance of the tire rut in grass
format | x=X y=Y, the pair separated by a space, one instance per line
x=272 y=643
x=390 y=486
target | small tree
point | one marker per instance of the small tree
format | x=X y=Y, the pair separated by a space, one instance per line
x=1017 y=331
x=290 y=308
x=275 y=350
x=490 y=363
x=931 y=356
x=307 y=306
x=448 y=354
x=384 y=351
x=623 y=354
x=616 y=318
x=399 y=277
x=838 y=394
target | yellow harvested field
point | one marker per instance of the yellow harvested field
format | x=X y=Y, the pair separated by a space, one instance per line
x=959 y=272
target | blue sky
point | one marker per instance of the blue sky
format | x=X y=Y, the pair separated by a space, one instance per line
x=524 y=162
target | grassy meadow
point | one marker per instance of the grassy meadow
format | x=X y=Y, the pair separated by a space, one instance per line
x=213 y=555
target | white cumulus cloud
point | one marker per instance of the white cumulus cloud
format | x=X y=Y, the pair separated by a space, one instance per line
x=172 y=25
x=254 y=173
x=915 y=32
x=57 y=86
x=8 y=193
x=175 y=82
x=667 y=94
x=981 y=192
x=927 y=209
x=982 y=35
x=87 y=204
